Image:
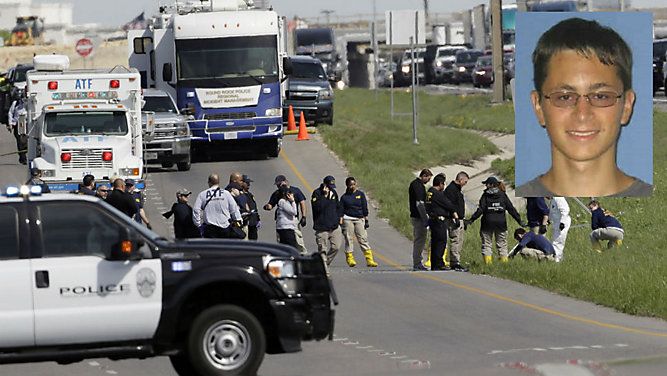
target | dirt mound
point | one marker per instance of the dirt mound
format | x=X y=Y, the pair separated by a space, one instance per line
x=107 y=54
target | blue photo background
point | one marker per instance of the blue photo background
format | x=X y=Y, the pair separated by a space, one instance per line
x=635 y=146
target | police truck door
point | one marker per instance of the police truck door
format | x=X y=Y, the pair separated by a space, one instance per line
x=16 y=314
x=87 y=297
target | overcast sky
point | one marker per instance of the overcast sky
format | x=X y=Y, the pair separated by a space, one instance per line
x=117 y=12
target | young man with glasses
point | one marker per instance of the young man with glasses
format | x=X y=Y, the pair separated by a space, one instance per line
x=583 y=96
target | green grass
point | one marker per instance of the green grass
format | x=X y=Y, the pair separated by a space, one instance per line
x=505 y=169
x=379 y=153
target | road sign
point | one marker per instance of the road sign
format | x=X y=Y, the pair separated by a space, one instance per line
x=401 y=25
x=84 y=47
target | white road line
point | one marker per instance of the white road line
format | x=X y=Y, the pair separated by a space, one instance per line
x=558 y=348
x=339 y=339
x=112 y=372
x=364 y=347
x=93 y=364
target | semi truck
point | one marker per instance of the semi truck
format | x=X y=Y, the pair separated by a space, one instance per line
x=81 y=122
x=321 y=44
x=225 y=64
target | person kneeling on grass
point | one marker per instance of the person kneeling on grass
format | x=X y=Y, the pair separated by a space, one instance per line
x=605 y=227
x=532 y=245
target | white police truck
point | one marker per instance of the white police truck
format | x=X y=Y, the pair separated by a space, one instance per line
x=82 y=280
x=83 y=122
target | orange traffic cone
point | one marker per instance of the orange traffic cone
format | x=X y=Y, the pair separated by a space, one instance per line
x=291 y=123
x=303 y=132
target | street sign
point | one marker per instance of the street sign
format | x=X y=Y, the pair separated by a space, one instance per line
x=401 y=25
x=84 y=47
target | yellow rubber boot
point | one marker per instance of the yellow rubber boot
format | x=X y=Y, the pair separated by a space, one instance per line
x=597 y=247
x=504 y=259
x=615 y=243
x=349 y=257
x=444 y=257
x=488 y=260
x=428 y=260
x=369 y=259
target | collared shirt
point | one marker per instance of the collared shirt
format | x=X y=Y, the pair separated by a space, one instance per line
x=220 y=209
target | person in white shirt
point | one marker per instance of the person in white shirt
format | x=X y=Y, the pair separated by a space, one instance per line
x=214 y=210
x=559 y=215
x=287 y=218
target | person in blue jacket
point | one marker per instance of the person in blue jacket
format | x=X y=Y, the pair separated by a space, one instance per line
x=537 y=212
x=355 y=223
x=605 y=227
x=327 y=218
x=532 y=245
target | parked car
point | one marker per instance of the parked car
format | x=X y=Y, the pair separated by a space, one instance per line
x=385 y=72
x=441 y=67
x=403 y=73
x=167 y=138
x=659 y=50
x=482 y=73
x=308 y=90
x=464 y=64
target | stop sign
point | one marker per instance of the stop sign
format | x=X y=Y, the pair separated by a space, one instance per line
x=84 y=47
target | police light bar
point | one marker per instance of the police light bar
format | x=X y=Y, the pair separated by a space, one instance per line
x=24 y=190
x=84 y=95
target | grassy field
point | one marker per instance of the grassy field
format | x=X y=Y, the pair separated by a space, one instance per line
x=632 y=279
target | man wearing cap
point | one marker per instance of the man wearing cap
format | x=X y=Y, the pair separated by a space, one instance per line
x=36 y=179
x=184 y=227
x=417 y=195
x=215 y=209
x=327 y=218
x=122 y=200
x=138 y=198
x=299 y=198
x=252 y=217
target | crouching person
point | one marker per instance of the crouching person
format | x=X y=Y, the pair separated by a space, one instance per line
x=605 y=227
x=532 y=245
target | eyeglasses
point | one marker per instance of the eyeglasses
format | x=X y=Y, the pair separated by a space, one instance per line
x=103 y=190
x=565 y=99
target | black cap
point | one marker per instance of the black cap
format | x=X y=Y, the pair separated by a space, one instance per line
x=330 y=181
x=491 y=180
x=129 y=181
x=280 y=179
x=247 y=179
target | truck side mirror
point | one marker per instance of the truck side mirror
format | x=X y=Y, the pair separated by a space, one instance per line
x=287 y=65
x=167 y=72
x=128 y=246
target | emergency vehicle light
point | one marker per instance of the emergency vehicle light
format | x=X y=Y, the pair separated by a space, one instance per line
x=107 y=156
x=24 y=190
x=114 y=84
x=85 y=95
x=53 y=85
x=126 y=246
x=65 y=157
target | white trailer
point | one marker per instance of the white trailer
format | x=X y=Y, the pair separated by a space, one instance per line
x=83 y=122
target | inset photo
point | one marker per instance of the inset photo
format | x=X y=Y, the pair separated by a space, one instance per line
x=584 y=104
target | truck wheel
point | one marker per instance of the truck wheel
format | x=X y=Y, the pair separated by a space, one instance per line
x=274 y=148
x=185 y=165
x=226 y=340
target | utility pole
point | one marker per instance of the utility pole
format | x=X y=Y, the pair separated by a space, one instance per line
x=497 y=50
x=426 y=21
x=327 y=14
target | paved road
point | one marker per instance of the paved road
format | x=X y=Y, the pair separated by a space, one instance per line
x=396 y=322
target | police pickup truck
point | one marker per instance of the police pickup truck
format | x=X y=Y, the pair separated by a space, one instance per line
x=82 y=280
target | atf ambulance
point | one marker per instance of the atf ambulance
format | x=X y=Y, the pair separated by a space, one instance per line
x=83 y=122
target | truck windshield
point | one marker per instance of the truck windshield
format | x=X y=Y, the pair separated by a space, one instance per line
x=159 y=104
x=307 y=70
x=238 y=61
x=86 y=123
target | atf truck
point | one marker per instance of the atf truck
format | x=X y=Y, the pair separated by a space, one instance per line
x=223 y=63
x=83 y=280
x=83 y=122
